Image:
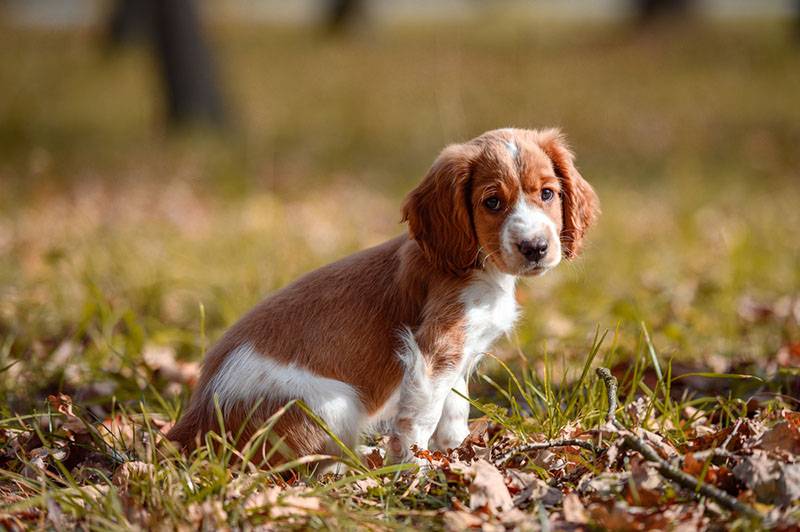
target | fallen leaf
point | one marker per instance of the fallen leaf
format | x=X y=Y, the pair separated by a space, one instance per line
x=374 y=459
x=209 y=515
x=488 y=491
x=41 y=458
x=606 y=484
x=61 y=403
x=574 y=511
x=528 y=488
x=772 y=481
x=277 y=502
x=783 y=438
x=645 y=487
x=460 y=520
x=132 y=471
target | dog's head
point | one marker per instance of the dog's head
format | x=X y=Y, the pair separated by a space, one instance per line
x=511 y=197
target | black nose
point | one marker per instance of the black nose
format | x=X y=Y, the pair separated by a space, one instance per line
x=533 y=250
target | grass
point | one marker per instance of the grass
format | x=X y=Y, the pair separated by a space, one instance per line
x=125 y=252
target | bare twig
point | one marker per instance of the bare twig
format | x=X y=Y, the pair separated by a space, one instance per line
x=709 y=453
x=564 y=442
x=667 y=471
x=610 y=382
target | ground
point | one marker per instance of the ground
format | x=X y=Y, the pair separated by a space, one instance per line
x=125 y=251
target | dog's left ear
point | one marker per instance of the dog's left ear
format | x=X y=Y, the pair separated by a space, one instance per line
x=579 y=202
x=438 y=211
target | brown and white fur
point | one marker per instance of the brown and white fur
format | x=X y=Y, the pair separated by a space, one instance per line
x=383 y=336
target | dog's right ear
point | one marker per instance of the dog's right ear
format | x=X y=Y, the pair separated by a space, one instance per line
x=438 y=211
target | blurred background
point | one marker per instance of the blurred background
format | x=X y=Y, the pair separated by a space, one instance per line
x=165 y=164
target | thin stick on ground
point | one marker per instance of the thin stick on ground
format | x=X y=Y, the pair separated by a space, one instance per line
x=667 y=471
x=565 y=442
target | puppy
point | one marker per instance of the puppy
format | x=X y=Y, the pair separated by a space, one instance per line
x=384 y=336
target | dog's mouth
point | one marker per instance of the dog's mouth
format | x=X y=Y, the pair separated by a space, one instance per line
x=534 y=270
x=537 y=268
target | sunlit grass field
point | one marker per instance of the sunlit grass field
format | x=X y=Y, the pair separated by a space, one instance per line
x=125 y=251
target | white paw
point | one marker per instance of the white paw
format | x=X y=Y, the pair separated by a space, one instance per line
x=449 y=439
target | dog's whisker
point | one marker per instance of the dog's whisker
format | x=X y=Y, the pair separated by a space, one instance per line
x=486 y=256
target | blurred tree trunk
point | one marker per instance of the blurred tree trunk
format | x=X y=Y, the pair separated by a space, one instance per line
x=654 y=10
x=341 y=14
x=130 y=21
x=184 y=58
x=186 y=65
x=797 y=18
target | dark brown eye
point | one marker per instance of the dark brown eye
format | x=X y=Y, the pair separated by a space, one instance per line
x=547 y=194
x=493 y=203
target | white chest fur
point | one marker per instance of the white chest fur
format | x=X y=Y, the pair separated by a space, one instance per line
x=491 y=310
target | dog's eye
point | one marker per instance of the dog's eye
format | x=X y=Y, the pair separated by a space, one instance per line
x=547 y=194
x=493 y=203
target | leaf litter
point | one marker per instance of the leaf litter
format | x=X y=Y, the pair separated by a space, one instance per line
x=60 y=466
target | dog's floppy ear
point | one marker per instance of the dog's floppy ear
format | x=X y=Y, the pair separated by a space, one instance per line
x=439 y=213
x=579 y=203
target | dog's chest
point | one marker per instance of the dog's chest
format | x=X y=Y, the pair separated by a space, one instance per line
x=490 y=310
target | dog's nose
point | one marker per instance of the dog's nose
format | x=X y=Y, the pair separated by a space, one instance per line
x=533 y=250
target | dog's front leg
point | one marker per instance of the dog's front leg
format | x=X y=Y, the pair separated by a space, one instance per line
x=422 y=397
x=453 y=424
x=418 y=415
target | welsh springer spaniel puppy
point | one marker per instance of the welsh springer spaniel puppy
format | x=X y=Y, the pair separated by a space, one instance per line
x=384 y=336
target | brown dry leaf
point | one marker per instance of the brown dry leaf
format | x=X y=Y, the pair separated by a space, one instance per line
x=620 y=516
x=363 y=485
x=478 y=432
x=574 y=511
x=488 y=491
x=516 y=519
x=658 y=443
x=686 y=518
x=474 y=445
x=707 y=441
x=40 y=459
x=606 y=484
x=132 y=471
x=209 y=515
x=528 y=488
x=277 y=502
x=646 y=486
x=119 y=429
x=773 y=482
x=719 y=476
x=460 y=520
x=292 y=505
x=614 y=517
x=61 y=403
x=695 y=467
x=783 y=438
x=638 y=410
x=374 y=459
